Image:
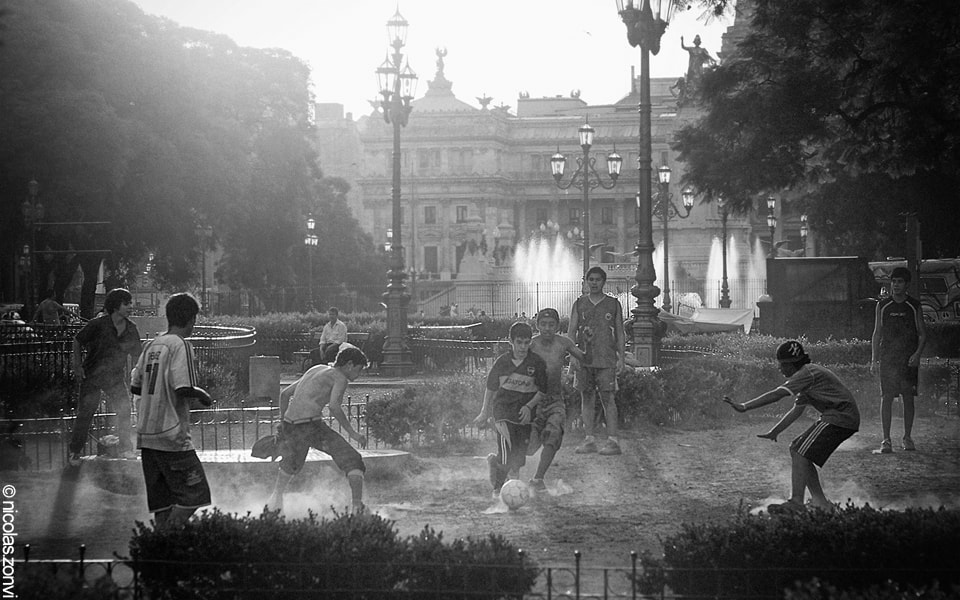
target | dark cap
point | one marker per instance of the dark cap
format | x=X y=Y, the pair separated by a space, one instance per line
x=791 y=351
x=550 y=313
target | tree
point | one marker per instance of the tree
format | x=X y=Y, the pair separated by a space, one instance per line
x=844 y=102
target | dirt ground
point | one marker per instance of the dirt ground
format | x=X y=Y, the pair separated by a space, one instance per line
x=602 y=506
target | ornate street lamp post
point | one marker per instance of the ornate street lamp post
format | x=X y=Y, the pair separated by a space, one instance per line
x=397 y=85
x=310 y=240
x=586 y=178
x=803 y=232
x=204 y=233
x=724 y=286
x=32 y=214
x=772 y=224
x=646 y=20
x=668 y=210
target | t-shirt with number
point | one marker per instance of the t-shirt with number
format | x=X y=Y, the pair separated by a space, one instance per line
x=163 y=419
x=818 y=387
x=515 y=385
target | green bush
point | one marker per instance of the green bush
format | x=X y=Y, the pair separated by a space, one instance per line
x=432 y=412
x=60 y=581
x=852 y=549
x=217 y=555
x=943 y=340
x=888 y=590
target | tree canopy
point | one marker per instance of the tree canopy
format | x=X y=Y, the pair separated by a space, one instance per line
x=158 y=129
x=853 y=106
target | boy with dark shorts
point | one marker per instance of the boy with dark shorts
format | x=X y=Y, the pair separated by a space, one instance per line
x=516 y=383
x=813 y=386
x=897 y=342
x=551 y=415
x=303 y=427
x=165 y=378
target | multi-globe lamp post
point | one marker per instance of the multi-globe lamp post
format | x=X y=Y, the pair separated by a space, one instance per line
x=804 y=230
x=204 y=234
x=32 y=211
x=772 y=224
x=310 y=240
x=397 y=83
x=668 y=210
x=586 y=178
x=646 y=20
x=725 y=284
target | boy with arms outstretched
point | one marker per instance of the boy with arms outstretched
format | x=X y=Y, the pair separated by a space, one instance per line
x=165 y=379
x=813 y=386
x=551 y=415
x=303 y=426
x=516 y=383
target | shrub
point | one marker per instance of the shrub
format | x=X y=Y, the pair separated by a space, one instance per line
x=351 y=556
x=888 y=590
x=63 y=581
x=436 y=410
x=760 y=556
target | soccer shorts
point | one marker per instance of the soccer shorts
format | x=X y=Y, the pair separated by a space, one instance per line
x=817 y=443
x=896 y=378
x=174 y=479
x=548 y=424
x=603 y=379
x=296 y=440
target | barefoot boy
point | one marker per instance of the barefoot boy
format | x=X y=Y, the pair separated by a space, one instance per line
x=515 y=384
x=301 y=404
x=813 y=386
x=551 y=414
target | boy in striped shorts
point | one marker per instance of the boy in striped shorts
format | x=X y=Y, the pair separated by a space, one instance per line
x=815 y=386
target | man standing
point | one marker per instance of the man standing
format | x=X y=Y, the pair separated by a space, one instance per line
x=898 y=339
x=112 y=345
x=596 y=326
x=166 y=380
x=48 y=311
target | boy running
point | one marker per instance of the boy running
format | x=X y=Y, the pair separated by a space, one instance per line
x=165 y=378
x=515 y=384
x=303 y=427
x=551 y=415
x=818 y=387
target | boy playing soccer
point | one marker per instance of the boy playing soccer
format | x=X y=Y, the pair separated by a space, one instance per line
x=551 y=415
x=515 y=384
x=303 y=427
x=165 y=378
x=818 y=387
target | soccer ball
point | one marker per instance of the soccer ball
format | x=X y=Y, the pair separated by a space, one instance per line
x=515 y=494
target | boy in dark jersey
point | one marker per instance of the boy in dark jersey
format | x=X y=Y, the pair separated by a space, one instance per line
x=813 y=386
x=551 y=417
x=515 y=385
x=898 y=339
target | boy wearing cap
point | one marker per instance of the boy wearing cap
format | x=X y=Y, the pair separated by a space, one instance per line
x=813 y=386
x=898 y=339
x=551 y=414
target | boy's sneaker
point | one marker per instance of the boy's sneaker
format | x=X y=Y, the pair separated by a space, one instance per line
x=908 y=444
x=886 y=447
x=538 y=486
x=610 y=448
x=74 y=459
x=587 y=447
x=785 y=508
x=129 y=455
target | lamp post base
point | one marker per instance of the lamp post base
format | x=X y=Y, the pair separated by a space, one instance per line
x=397 y=360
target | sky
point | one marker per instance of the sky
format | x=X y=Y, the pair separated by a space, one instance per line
x=496 y=48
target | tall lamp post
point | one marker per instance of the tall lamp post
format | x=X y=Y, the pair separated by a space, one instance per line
x=32 y=214
x=310 y=240
x=397 y=84
x=204 y=233
x=667 y=210
x=772 y=224
x=586 y=178
x=646 y=20
x=724 y=285
x=804 y=230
